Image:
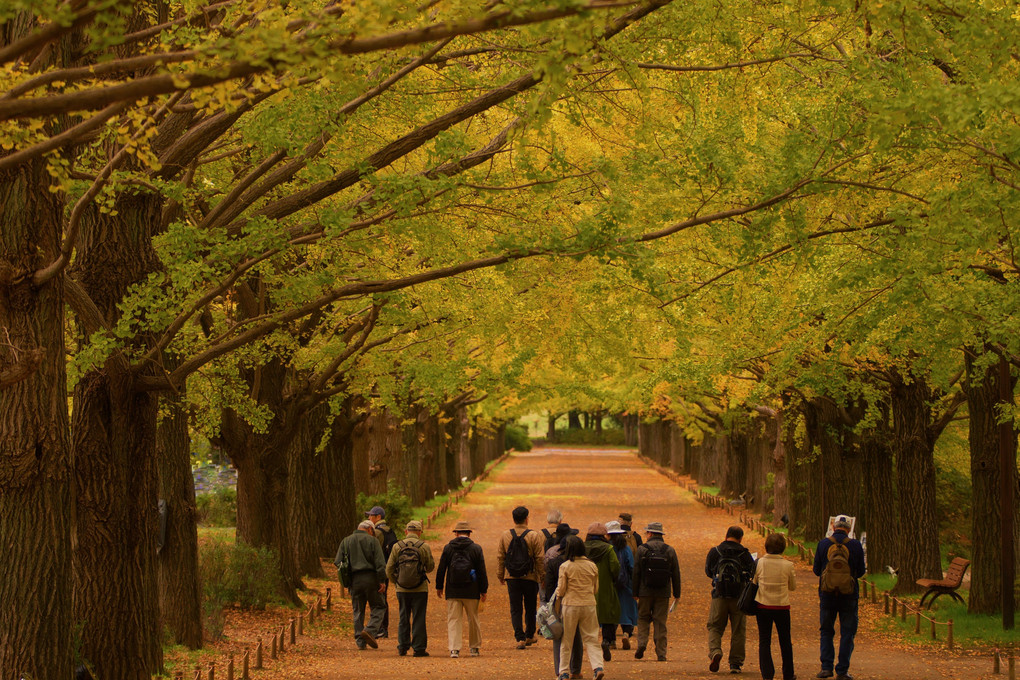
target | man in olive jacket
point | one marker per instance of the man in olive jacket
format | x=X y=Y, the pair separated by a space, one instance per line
x=412 y=600
x=368 y=581
x=600 y=551
x=656 y=576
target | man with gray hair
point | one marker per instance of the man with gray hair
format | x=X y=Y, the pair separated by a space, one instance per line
x=363 y=569
x=839 y=562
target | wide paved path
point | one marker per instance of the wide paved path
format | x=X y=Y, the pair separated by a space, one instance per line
x=595 y=485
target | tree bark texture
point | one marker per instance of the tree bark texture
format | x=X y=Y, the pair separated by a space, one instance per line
x=180 y=593
x=114 y=438
x=914 y=442
x=35 y=452
x=982 y=390
x=830 y=435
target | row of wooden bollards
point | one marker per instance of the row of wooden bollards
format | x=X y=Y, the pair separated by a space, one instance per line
x=279 y=640
x=1010 y=664
x=893 y=605
x=708 y=499
x=457 y=497
x=805 y=553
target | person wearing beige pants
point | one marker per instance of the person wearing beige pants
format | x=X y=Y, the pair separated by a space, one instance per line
x=455 y=612
x=576 y=590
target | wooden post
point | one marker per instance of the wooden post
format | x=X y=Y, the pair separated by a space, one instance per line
x=272 y=647
x=301 y=624
x=198 y=672
x=230 y=667
x=179 y=675
x=932 y=628
x=949 y=638
x=293 y=631
x=258 y=654
x=1012 y=665
x=329 y=598
x=874 y=593
x=212 y=671
x=903 y=612
x=890 y=605
x=917 y=622
x=245 y=665
x=996 y=663
x=283 y=637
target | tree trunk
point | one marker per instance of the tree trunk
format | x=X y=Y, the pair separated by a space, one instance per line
x=982 y=391
x=35 y=454
x=840 y=466
x=880 y=516
x=573 y=420
x=550 y=432
x=114 y=439
x=307 y=489
x=413 y=458
x=180 y=594
x=915 y=480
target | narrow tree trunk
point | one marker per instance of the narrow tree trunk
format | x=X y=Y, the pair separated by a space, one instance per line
x=915 y=480
x=550 y=432
x=35 y=452
x=982 y=390
x=180 y=594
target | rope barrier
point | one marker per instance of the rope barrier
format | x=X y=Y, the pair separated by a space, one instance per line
x=891 y=604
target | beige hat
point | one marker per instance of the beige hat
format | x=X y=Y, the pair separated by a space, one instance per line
x=413 y=525
x=462 y=527
x=597 y=529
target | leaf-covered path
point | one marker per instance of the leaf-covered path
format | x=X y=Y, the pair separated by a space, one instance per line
x=595 y=486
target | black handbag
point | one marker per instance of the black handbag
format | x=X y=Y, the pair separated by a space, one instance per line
x=747 y=603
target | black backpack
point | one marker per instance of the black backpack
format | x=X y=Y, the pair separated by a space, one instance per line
x=518 y=558
x=461 y=567
x=410 y=569
x=729 y=576
x=655 y=571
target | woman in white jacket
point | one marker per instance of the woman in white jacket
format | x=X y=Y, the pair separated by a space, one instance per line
x=775 y=577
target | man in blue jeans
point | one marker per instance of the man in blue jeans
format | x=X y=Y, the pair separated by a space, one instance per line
x=838 y=593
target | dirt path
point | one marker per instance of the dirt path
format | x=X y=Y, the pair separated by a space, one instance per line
x=595 y=486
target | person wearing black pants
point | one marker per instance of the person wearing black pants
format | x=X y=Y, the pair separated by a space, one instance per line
x=775 y=578
x=520 y=564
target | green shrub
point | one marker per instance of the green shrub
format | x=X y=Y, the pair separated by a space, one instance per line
x=235 y=575
x=396 y=504
x=217 y=508
x=610 y=436
x=517 y=438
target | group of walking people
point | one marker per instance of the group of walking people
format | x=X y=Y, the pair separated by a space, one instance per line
x=613 y=583
x=838 y=562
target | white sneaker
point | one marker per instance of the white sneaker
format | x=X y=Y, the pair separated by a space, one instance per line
x=454 y=653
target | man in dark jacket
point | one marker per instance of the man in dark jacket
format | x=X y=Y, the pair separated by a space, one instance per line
x=368 y=581
x=837 y=604
x=553 y=560
x=461 y=575
x=656 y=576
x=387 y=539
x=730 y=566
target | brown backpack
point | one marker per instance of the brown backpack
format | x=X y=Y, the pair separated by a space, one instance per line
x=836 y=577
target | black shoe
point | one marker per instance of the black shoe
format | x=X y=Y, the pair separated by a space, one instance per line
x=369 y=640
x=735 y=670
x=401 y=652
x=625 y=643
x=639 y=653
x=607 y=652
x=420 y=653
x=824 y=674
x=660 y=658
x=714 y=666
x=844 y=676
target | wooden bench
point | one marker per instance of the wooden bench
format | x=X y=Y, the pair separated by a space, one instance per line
x=948 y=585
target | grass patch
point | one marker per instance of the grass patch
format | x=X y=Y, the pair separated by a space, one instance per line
x=221 y=534
x=710 y=490
x=970 y=631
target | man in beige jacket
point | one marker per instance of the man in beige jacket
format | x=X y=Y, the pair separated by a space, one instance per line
x=408 y=567
x=520 y=564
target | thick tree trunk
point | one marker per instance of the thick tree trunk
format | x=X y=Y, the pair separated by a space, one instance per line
x=574 y=419
x=35 y=452
x=914 y=444
x=840 y=466
x=180 y=594
x=550 y=431
x=414 y=456
x=630 y=430
x=114 y=439
x=982 y=390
